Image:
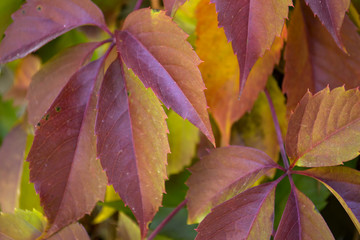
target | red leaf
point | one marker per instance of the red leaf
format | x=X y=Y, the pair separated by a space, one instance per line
x=249 y=215
x=221 y=175
x=313 y=60
x=132 y=142
x=11 y=161
x=52 y=77
x=252 y=26
x=331 y=13
x=172 y=5
x=301 y=220
x=158 y=53
x=324 y=130
x=40 y=21
x=344 y=183
x=73 y=231
x=62 y=159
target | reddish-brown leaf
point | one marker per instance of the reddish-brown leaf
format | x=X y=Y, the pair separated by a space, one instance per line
x=172 y=5
x=220 y=71
x=301 y=220
x=344 y=183
x=331 y=13
x=74 y=231
x=251 y=26
x=155 y=48
x=221 y=175
x=40 y=21
x=62 y=159
x=249 y=215
x=11 y=161
x=132 y=142
x=52 y=77
x=324 y=130
x=313 y=60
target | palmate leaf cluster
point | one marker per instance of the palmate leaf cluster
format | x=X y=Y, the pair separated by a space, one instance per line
x=101 y=112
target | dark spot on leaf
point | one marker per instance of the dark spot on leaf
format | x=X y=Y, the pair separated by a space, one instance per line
x=38 y=124
x=128 y=93
x=23 y=12
x=47 y=117
x=39 y=8
x=155 y=10
x=57 y=109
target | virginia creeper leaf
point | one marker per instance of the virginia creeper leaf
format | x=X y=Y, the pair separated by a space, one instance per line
x=301 y=220
x=11 y=162
x=132 y=142
x=221 y=175
x=344 y=183
x=40 y=21
x=331 y=13
x=172 y=5
x=158 y=53
x=21 y=225
x=220 y=71
x=324 y=130
x=73 y=231
x=251 y=26
x=249 y=215
x=25 y=70
x=62 y=159
x=183 y=139
x=52 y=77
x=313 y=60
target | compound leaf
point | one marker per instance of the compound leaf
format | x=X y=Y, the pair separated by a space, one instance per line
x=65 y=172
x=251 y=26
x=222 y=174
x=301 y=220
x=132 y=142
x=344 y=183
x=157 y=51
x=52 y=77
x=313 y=60
x=249 y=215
x=40 y=21
x=324 y=130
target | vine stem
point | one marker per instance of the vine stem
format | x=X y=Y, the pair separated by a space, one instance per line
x=277 y=129
x=167 y=219
x=138 y=4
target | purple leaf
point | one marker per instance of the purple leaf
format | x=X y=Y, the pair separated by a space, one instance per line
x=132 y=142
x=63 y=163
x=249 y=215
x=155 y=48
x=52 y=77
x=251 y=26
x=301 y=220
x=11 y=161
x=40 y=21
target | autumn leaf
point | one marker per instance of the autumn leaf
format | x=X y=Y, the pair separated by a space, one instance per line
x=52 y=77
x=11 y=162
x=172 y=5
x=313 y=59
x=249 y=215
x=220 y=71
x=251 y=26
x=132 y=142
x=222 y=174
x=158 y=53
x=324 y=129
x=40 y=21
x=344 y=183
x=301 y=220
x=331 y=13
x=65 y=169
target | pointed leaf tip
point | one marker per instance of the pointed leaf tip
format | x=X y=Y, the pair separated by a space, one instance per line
x=40 y=21
x=155 y=48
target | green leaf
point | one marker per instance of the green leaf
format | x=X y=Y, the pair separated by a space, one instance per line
x=183 y=138
x=324 y=129
x=127 y=229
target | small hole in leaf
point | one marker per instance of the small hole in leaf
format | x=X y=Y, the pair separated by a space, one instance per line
x=128 y=93
x=47 y=117
x=57 y=109
x=39 y=8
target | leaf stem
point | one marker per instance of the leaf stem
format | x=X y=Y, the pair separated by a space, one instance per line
x=167 y=219
x=138 y=4
x=277 y=129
